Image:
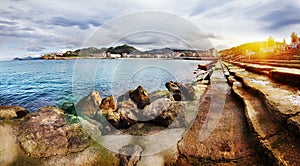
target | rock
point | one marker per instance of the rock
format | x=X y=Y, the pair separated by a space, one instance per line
x=108 y=104
x=114 y=119
x=123 y=97
x=127 y=118
x=152 y=111
x=180 y=91
x=89 y=105
x=174 y=89
x=93 y=127
x=172 y=111
x=9 y=112
x=164 y=111
x=50 y=132
x=187 y=91
x=140 y=97
x=130 y=155
x=69 y=108
x=160 y=94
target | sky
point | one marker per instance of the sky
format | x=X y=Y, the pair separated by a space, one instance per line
x=33 y=28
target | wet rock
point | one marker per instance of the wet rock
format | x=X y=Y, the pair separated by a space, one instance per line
x=69 y=108
x=89 y=105
x=50 y=132
x=10 y=112
x=140 y=97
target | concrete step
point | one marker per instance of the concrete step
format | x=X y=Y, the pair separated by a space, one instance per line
x=282 y=101
x=283 y=74
x=275 y=142
x=277 y=63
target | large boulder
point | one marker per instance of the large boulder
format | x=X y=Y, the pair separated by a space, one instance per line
x=127 y=118
x=152 y=111
x=50 y=132
x=187 y=91
x=165 y=111
x=129 y=113
x=10 y=112
x=140 y=97
x=174 y=90
x=180 y=91
x=89 y=105
x=172 y=113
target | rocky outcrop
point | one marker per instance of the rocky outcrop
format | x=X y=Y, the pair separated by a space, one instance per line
x=140 y=97
x=50 y=132
x=10 y=112
x=89 y=105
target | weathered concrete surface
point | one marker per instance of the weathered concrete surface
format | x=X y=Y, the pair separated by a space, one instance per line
x=271 y=139
x=283 y=101
x=277 y=63
x=283 y=74
x=226 y=140
x=272 y=111
x=287 y=76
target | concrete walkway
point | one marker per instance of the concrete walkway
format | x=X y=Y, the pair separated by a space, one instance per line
x=219 y=135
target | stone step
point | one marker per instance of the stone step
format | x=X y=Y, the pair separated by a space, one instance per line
x=278 y=63
x=284 y=74
x=282 y=101
x=277 y=144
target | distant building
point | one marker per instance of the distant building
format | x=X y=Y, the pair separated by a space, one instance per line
x=213 y=52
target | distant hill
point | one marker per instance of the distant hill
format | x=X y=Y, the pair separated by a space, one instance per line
x=94 y=52
x=123 y=49
x=25 y=58
x=159 y=51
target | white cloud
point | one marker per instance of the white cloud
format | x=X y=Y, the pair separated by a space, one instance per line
x=54 y=24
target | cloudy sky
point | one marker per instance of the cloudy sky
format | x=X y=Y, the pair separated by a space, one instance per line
x=32 y=28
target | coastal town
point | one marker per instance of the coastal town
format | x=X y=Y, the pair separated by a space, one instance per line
x=126 y=51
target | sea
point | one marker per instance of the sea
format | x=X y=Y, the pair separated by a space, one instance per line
x=38 y=83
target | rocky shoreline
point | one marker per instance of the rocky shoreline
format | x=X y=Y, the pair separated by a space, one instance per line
x=70 y=134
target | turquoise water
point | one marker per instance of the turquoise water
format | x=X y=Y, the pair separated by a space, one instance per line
x=37 y=83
